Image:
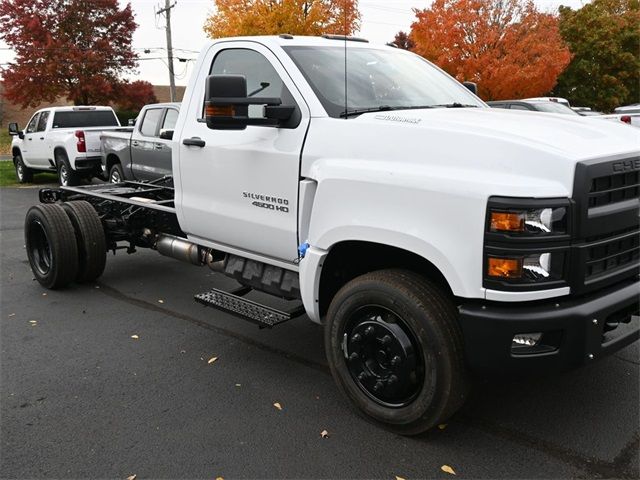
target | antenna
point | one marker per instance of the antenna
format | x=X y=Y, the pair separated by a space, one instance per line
x=346 y=19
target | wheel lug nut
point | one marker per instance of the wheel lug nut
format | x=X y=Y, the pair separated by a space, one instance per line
x=378 y=386
x=369 y=331
x=386 y=340
x=392 y=379
x=356 y=338
x=354 y=356
x=362 y=376
x=396 y=360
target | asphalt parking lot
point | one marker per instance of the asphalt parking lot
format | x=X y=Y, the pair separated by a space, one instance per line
x=81 y=398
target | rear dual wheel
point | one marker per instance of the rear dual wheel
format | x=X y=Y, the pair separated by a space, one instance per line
x=395 y=350
x=65 y=243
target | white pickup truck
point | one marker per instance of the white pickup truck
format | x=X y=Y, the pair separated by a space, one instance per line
x=65 y=140
x=433 y=237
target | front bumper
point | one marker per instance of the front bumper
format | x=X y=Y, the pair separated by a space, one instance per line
x=578 y=330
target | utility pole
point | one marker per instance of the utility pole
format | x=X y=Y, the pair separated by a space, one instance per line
x=167 y=11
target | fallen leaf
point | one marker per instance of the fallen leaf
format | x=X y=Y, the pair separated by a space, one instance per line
x=278 y=406
x=132 y=477
x=324 y=434
x=183 y=351
x=238 y=385
x=442 y=426
x=219 y=478
x=399 y=478
x=44 y=294
x=160 y=301
x=33 y=322
x=447 y=469
x=12 y=314
x=211 y=360
x=135 y=337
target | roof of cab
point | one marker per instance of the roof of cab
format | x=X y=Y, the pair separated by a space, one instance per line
x=284 y=40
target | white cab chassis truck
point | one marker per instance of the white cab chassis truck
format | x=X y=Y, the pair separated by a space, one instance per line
x=433 y=237
x=65 y=140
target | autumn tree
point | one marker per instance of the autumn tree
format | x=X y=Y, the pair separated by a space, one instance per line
x=604 y=38
x=403 y=41
x=133 y=96
x=508 y=47
x=76 y=49
x=272 y=17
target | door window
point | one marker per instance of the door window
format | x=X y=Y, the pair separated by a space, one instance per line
x=262 y=78
x=33 y=123
x=519 y=107
x=149 y=127
x=42 y=123
x=170 y=119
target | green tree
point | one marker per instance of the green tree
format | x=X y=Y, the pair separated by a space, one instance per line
x=604 y=39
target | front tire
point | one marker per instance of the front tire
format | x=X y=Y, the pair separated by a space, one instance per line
x=90 y=239
x=395 y=350
x=51 y=245
x=23 y=173
x=66 y=175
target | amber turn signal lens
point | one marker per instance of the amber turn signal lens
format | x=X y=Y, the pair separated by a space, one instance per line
x=507 y=222
x=505 y=267
x=215 y=111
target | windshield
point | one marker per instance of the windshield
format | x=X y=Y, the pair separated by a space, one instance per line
x=553 y=107
x=384 y=79
x=85 y=118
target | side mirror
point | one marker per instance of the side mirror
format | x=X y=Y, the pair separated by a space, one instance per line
x=227 y=105
x=131 y=122
x=14 y=130
x=166 y=134
x=473 y=87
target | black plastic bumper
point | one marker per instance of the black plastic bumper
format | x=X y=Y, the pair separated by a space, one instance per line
x=575 y=331
x=88 y=163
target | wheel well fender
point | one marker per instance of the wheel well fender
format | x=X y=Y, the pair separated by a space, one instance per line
x=59 y=151
x=112 y=159
x=15 y=151
x=349 y=259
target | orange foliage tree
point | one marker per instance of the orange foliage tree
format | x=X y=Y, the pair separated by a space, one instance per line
x=508 y=47
x=272 y=17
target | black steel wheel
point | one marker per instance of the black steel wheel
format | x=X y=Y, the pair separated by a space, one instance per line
x=51 y=245
x=116 y=175
x=395 y=350
x=90 y=238
x=23 y=173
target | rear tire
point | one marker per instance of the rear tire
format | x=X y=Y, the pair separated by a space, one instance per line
x=116 y=175
x=66 y=175
x=90 y=238
x=51 y=245
x=395 y=350
x=23 y=173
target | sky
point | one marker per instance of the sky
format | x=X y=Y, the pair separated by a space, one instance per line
x=381 y=19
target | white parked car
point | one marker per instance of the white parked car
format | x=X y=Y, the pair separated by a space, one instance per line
x=64 y=140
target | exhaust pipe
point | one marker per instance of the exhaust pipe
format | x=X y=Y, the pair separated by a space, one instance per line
x=185 y=251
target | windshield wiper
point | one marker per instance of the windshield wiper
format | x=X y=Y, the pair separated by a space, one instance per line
x=455 y=105
x=382 y=108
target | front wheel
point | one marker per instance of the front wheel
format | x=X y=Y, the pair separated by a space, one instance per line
x=23 y=173
x=395 y=350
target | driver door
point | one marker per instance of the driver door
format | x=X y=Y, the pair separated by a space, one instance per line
x=241 y=187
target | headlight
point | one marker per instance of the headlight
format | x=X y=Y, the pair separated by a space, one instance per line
x=506 y=217
x=526 y=243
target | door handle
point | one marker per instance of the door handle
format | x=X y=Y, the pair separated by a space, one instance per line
x=41 y=138
x=29 y=138
x=159 y=146
x=134 y=143
x=194 y=142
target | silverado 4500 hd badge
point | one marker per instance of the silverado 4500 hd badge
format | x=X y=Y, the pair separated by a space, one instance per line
x=269 y=202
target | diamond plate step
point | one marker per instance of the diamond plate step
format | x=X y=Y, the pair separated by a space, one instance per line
x=247 y=309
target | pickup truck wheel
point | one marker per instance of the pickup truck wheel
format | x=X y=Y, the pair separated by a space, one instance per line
x=116 y=175
x=66 y=175
x=23 y=173
x=51 y=245
x=395 y=350
x=90 y=238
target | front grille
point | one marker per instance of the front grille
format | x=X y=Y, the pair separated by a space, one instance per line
x=615 y=188
x=609 y=255
x=606 y=246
